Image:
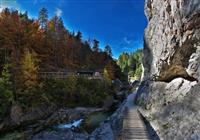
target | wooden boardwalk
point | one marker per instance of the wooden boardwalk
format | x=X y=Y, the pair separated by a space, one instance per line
x=133 y=125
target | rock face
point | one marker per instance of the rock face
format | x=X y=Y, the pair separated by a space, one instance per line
x=169 y=93
x=19 y=119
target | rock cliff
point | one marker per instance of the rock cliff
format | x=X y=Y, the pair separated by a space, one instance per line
x=170 y=92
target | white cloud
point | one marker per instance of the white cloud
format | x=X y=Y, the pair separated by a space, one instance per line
x=9 y=4
x=127 y=44
x=127 y=41
x=58 y=12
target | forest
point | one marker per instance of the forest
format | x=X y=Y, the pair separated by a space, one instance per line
x=32 y=46
x=131 y=64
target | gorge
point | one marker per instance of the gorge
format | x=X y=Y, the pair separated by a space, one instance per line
x=81 y=106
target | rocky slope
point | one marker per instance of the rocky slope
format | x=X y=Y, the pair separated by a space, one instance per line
x=110 y=129
x=169 y=93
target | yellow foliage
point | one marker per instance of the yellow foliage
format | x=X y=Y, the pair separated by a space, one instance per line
x=29 y=69
x=106 y=76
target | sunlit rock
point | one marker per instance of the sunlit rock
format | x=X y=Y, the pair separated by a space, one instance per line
x=169 y=93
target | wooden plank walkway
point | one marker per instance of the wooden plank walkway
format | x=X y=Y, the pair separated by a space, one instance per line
x=133 y=125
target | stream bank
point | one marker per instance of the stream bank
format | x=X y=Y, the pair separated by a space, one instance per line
x=110 y=128
x=98 y=123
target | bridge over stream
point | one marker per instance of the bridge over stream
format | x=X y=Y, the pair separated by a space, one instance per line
x=65 y=75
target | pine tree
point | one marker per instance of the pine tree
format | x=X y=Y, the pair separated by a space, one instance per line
x=108 y=50
x=95 y=47
x=43 y=18
x=78 y=36
x=6 y=94
x=24 y=16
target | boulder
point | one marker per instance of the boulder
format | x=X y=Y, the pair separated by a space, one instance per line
x=111 y=129
x=60 y=135
x=19 y=119
x=105 y=132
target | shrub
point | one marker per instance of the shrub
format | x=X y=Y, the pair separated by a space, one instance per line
x=76 y=92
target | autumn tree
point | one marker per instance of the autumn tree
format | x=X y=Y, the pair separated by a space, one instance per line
x=29 y=69
x=106 y=76
x=56 y=48
x=111 y=68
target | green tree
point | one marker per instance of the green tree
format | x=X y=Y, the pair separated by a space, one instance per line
x=123 y=62
x=138 y=72
x=108 y=50
x=130 y=63
x=78 y=36
x=24 y=16
x=43 y=18
x=57 y=34
x=95 y=47
x=6 y=94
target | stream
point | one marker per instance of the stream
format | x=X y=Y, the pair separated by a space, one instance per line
x=87 y=124
x=73 y=125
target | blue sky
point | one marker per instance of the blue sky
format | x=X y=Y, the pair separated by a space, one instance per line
x=119 y=23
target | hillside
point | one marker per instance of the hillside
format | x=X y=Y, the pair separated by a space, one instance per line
x=54 y=47
x=30 y=48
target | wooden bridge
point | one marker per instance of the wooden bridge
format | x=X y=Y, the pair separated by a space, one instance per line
x=133 y=125
x=65 y=75
x=56 y=75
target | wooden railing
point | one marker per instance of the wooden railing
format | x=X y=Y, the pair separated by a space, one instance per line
x=65 y=75
x=57 y=75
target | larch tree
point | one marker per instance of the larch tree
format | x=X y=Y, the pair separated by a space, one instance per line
x=29 y=69
x=106 y=76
